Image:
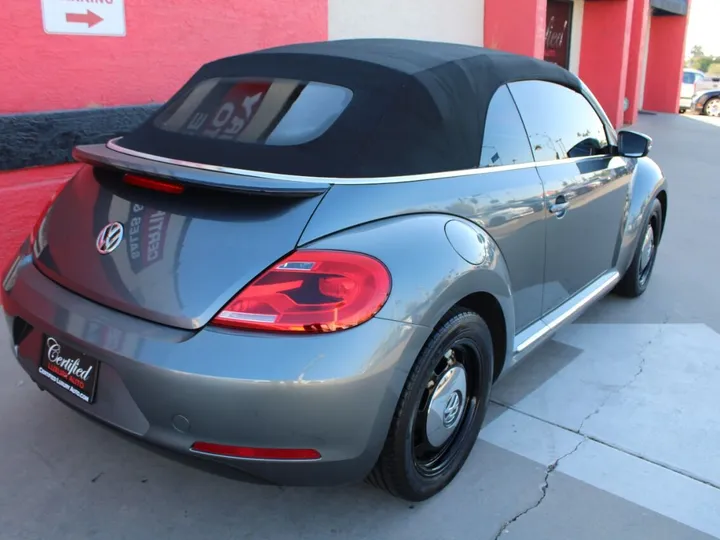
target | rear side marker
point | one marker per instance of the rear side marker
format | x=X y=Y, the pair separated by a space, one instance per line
x=224 y=450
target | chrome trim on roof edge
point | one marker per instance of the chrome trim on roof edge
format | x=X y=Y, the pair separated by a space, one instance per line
x=112 y=145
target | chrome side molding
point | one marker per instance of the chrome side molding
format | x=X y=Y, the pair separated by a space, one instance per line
x=537 y=333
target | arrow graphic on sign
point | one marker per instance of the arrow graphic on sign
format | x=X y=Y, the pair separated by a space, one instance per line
x=90 y=18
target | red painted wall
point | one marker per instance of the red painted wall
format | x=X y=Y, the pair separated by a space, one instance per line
x=24 y=194
x=666 y=50
x=516 y=26
x=165 y=42
x=604 y=53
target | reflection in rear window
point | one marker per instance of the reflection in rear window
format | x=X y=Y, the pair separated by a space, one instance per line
x=279 y=112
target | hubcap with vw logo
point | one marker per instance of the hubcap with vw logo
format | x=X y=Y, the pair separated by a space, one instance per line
x=447 y=405
x=109 y=237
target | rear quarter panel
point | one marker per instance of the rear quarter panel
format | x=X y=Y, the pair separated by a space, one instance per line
x=507 y=206
x=429 y=275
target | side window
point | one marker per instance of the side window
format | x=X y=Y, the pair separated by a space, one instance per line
x=688 y=77
x=505 y=141
x=560 y=122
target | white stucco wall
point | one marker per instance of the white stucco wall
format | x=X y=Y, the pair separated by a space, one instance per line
x=458 y=21
x=643 y=63
x=576 y=36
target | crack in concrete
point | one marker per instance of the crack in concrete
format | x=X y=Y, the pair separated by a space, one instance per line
x=608 y=444
x=641 y=368
x=543 y=491
x=610 y=395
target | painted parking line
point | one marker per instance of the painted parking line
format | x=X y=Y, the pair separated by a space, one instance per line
x=649 y=389
x=651 y=486
x=632 y=410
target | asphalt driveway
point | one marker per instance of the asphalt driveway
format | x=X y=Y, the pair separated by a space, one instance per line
x=609 y=431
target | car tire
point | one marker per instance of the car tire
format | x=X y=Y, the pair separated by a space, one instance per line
x=636 y=278
x=682 y=111
x=712 y=108
x=415 y=463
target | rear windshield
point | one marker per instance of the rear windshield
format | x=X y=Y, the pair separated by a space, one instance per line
x=274 y=112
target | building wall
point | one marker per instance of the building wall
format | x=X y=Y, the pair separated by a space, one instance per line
x=576 y=35
x=607 y=26
x=516 y=26
x=458 y=21
x=165 y=42
x=643 y=63
x=666 y=51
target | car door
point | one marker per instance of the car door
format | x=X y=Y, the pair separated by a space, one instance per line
x=514 y=215
x=586 y=187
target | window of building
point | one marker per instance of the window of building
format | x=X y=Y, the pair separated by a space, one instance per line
x=560 y=122
x=505 y=141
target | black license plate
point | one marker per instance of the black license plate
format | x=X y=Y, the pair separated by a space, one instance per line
x=75 y=372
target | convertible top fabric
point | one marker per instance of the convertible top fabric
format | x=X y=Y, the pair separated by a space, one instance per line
x=416 y=107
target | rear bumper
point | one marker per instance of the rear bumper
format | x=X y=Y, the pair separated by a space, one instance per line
x=334 y=393
x=685 y=102
x=694 y=109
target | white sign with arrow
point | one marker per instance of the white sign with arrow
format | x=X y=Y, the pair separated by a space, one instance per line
x=85 y=17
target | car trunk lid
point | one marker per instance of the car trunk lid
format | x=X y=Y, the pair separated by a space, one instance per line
x=182 y=256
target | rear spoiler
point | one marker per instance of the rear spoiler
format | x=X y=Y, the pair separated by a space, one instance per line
x=99 y=155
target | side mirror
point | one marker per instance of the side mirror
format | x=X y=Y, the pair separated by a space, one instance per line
x=633 y=144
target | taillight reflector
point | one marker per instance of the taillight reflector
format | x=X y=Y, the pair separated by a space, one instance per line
x=151 y=183
x=311 y=291
x=255 y=453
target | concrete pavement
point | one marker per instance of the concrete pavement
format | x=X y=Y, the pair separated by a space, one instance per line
x=609 y=431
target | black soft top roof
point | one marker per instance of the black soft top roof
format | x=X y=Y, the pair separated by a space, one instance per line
x=417 y=107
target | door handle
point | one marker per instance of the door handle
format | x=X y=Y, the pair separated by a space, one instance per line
x=560 y=206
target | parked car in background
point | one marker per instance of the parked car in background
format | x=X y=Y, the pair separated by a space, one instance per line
x=695 y=82
x=313 y=261
x=706 y=103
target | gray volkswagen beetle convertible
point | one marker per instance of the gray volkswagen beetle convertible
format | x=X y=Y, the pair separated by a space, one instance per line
x=312 y=262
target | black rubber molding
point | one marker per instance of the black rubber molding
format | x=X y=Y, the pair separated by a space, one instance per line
x=48 y=138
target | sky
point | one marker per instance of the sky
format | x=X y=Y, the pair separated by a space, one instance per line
x=704 y=26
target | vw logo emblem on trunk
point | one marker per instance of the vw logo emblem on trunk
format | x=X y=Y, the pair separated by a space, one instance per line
x=109 y=238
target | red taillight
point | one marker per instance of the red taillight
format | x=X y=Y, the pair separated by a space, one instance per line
x=151 y=183
x=255 y=453
x=311 y=291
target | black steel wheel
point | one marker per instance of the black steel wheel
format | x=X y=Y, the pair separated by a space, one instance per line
x=440 y=411
x=636 y=278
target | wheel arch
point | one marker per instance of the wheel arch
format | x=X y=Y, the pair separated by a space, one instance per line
x=662 y=197
x=489 y=308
